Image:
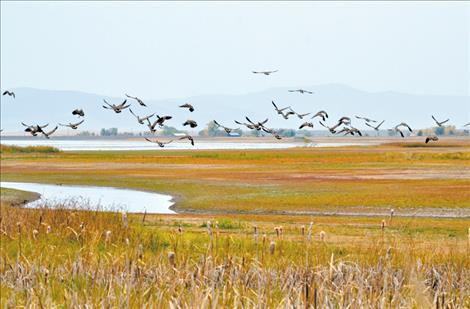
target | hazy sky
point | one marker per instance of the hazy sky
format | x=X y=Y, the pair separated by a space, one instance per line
x=160 y=50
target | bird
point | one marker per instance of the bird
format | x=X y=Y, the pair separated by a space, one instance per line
x=331 y=129
x=73 y=126
x=139 y=119
x=306 y=124
x=190 y=123
x=159 y=143
x=376 y=128
x=265 y=72
x=279 y=110
x=272 y=132
x=287 y=114
x=302 y=91
x=341 y=121
x=188 y=106
x=366 y=119
x=34 y=129
x=249 y=126
x=258 y=126
x=321 y=114
x=351 y=131
x=137 y=99
x=439 y=123
x=397 y=129
x=9 y=93
x=47 y=134
x=159 y=122
x=78 y=112
x=467 y=124
x=227 y=130
x=301 y=116
x=433 y=138
x=116 y=108
x=188 y=137
x=403 y=124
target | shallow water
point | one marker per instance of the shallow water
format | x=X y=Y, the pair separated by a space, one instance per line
x=103 y=198
x=102 y=145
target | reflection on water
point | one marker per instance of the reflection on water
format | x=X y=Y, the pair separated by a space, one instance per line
x=104 y=198
x=92 y=145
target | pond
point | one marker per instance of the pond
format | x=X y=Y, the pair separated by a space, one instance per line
x=102 y=198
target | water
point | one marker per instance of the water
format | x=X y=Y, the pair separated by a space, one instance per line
x=102 y=145
x=103 y=198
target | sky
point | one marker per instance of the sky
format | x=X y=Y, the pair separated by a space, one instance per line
x=164 y=50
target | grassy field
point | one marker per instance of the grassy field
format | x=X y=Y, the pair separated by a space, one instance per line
x=67 y=258
x=348 y=179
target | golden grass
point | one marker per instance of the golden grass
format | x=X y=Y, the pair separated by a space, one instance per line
x=4 y=149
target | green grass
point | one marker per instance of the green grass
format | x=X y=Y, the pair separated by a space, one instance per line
x=10 y=149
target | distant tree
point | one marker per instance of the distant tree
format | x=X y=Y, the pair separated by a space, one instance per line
x=109 y=132
x=420 y=133
x=439 y=131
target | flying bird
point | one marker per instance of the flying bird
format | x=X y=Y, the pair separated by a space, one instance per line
x=376 y=128
x=159 y=143
x=265 y=72
x=301 y=116
x=9 y=93
x=34 y=129
x=433 y=138
x=306 y=124
x=366 y=119
x=272 y=132
x=188 y=106
x=439 y=123
x=188 y=137
x=137 y=99
x=190 y=123
x=73 y=126
x=159 y=122
x=78 y=112
x=287 y=114
x=302 y=91
x=116 y=108
x=227 y=130
x=258 y=126
x=279 y=110
x=47 y=134
x=403 y=124
x=331 y=129
x=248 y=125
x=141 y=119
x=321 y=114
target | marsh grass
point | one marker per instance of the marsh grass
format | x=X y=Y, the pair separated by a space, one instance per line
x=11 y=149
x=90 y=258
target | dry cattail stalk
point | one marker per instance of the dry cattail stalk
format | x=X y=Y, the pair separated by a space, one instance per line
x=18 y=226
x=35 y=234
x=280 y=231
x=322 y=235
x=171 y=258
x=272 y=247
x=382 y=225
x=310 y=230
x=107 y=236
x=125 y=222
x=265 y=237
x=255 y=232
x=302 y=230
x=209 y=228
x=180 y=229
x=276 y=229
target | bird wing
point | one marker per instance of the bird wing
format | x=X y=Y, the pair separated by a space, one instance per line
x=370 y=125
x=217 y=124
x=147 y=117
x=25 y=124
x=52 y=131
x=275 y=106
x=131 y=97
x=264 y=121
x=445 y=121
x=435 y=119
x=248 y=119
x=380 y=124
x=121 y=106
x=133 y=113
x=78 y=123
x=149 y=140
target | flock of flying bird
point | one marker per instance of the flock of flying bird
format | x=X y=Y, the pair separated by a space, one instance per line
x=342 y=126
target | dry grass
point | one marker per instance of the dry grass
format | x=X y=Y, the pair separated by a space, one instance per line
x=72 y=258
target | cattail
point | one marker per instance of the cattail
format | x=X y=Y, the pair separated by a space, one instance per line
x=255 y=232
x=382 y=225
x=280 y=231
x=276 y=229
x=209 y=228
x=35 y=234
x=140 y=251
x=46 y=275
x=18 y=226
x=180 y=229
x=107 y=236
x=48 y=229
x=272 y=247
x=302 y=230
x=171 y=258
x=310 y=230
x=322 y=235
x=125 y=222
x=265 y=237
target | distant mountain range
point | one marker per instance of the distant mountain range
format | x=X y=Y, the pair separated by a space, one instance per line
x=53 y=106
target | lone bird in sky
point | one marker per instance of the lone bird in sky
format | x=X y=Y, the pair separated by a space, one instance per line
x=188 y=106
x=439 y=123
x=78 y=112
x=302 y=91
x=9 y=93
x=73 y=126
x=306 y=124
x=116 y=108
x=137 y=99
x=265 y=72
